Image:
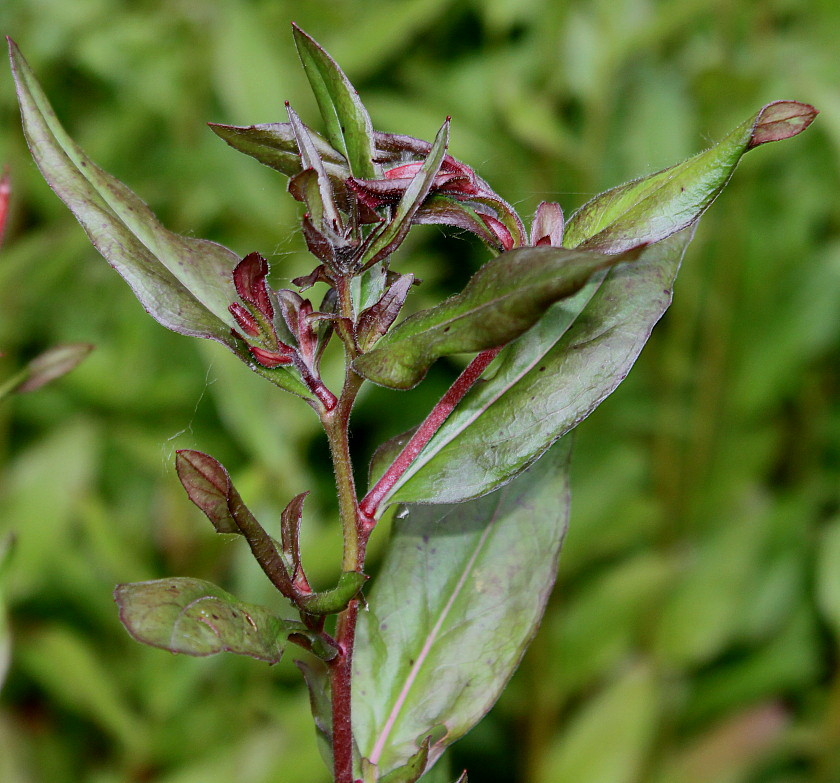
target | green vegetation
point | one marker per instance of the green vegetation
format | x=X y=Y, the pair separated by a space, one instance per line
x=693 y=634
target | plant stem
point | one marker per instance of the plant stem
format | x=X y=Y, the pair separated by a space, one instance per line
x=464 y=382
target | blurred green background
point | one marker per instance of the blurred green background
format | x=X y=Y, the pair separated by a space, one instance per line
x=693 y=635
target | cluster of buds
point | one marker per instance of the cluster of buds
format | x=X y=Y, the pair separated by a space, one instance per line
x=276 y=325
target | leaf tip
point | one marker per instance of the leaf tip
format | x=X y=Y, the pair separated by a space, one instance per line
x=781 y=120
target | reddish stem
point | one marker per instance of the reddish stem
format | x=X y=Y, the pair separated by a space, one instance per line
x=5 y=193
x=340 y=682
x=465 y=381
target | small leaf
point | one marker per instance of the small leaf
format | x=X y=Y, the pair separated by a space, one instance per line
x=349 y=128
x=335 y=600
x=184 y=283
x=506 y=297
x=290 y=520
x=46 y=367
x=377 y=319
x=320 y=201
x=414 y=769
x=274 y=145
x=546 y=381
x=208 y=485
x=440 y=210
x=195 y=617
x=459 y=596
x=392 y=235
x=547 y=228
x=654 y=207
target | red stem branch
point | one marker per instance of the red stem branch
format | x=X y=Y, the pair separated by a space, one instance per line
x=465 y=381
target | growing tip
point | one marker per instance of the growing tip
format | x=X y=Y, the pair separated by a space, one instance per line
x=781 y=120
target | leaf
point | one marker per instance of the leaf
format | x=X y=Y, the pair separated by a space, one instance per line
x=546 y=382
x=414 y=769
x=195 y=617
x=376 y=320
x=182 y=282
x=502 y=300
x=273 y=144
x=349 y=128
x=654 y=207
x=460 y=594
x=317 y=677
x=392 y=235
x=46 y=367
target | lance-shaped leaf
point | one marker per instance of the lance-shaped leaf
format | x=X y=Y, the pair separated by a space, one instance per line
x=274 y=145
x=349 y=128
x=377 y=319
x=654 y=207
x=460 y=594
x=394 y=232
x=208 y=485
x=320 y=202
x=446 y=211
x=195 y=617
x=46 y=367
x=184 y=283
x=505 y=298
x=546 y=381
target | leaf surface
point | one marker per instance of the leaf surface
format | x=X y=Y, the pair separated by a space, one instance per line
x=349 y=128
x=654 y=207
x=184 y=283
x=195 y=617
x=546 y=382
x=460 y=594
x=506 y=297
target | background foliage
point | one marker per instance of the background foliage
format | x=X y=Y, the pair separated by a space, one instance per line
x=693 y=636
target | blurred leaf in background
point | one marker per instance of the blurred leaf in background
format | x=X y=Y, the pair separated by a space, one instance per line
x=693 y=636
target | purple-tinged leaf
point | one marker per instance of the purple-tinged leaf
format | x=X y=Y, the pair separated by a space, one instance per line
x=195 y=617
x=461 y=592
x=654 y=207
x=274 y=145
x=290 y=520
x=46 y=367
x=349 y=128
x=377 y=319
x=446 y=211
x=319 y=200
x=546 y=381
x=505 y=298
x=208 y=485
x=184 y=283
x=249 y=279
x=317 y=275
x=547 y=228
x=393 y=233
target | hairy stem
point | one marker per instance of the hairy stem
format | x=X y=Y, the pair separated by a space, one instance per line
x=465 y=381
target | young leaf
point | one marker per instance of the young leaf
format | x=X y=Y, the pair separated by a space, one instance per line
x=376 y=320
x=184 y=283
x=654 y=207
x=412 y=771
x=195 y=617
x=505 y=298
x=274 y=145
x=46 y=367
x=349 y=128
x=547 y=381
x=459 y=596
x=392 y=235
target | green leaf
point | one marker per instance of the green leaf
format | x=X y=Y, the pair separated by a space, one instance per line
x=317 y=677
x=460 y=594
x=414 y=769
x=195 y=617
x=349 y=128
x=392 y=235
x=505 y=298
x=654 y=207
x=546 y=382
x=184 y=283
